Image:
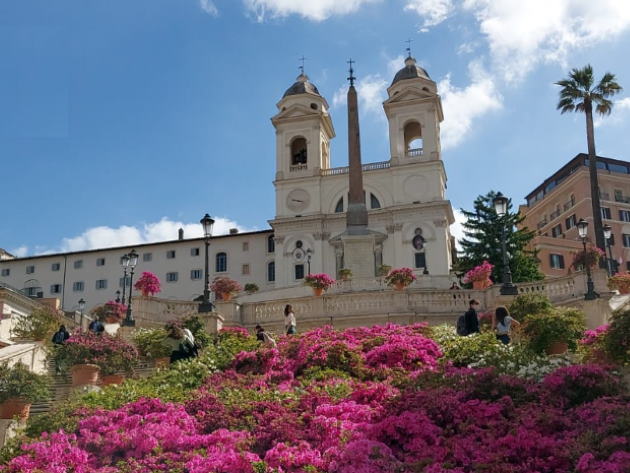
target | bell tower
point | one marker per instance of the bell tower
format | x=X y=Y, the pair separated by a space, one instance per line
x=414 y=113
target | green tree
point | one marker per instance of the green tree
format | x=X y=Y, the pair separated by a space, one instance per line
x=482 y=241
x=578 y=94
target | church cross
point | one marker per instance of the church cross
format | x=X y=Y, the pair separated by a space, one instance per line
x=351 y=78
x=302 y=59
x=408 y=49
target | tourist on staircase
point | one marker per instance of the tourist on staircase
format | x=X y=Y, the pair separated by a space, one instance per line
x=290 y=323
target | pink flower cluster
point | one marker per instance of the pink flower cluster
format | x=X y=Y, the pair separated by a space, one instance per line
x=402 y=276
x=222 y=286
x=479 y=273
x=148 y=284
x=319 y=281
x=594 y=336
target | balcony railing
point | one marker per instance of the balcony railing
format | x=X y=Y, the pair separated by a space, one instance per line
x=542 y=223
x=346 y=169
x=414 y=152
x=297 y=167
x=622 y=199
x=568 y=205
x=554 y=214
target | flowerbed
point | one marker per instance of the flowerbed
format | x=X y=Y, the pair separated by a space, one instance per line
x=364 y=400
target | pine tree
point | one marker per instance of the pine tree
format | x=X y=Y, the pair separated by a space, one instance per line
x=482 y=241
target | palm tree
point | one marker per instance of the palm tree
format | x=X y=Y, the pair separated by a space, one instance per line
x=578 y=95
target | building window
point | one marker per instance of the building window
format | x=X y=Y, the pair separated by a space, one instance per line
x=32 y=291
x=624 y=215
x=298 y=151
x=78 y=286
x=245 y=269
x=374 y=202
x=194 y=252
x=6 y=272
x=147 y=257
x=611 y=240
x=78 y=264
x=570 y=222
x=170 y=254
x=605 y=213
x=299 y=272
x=100 y=262
x=172 y=277
x=556 y=231
x=196 y=274
x=626 y=240
x=271 y=244
x=339 y=206
x=30 y=269
x=420 y=260
x=271 y=271
x=121 y=282
x=221 y=263
x=556 y=261
x=618 y=195
x=55 y=267
x=101 y=284
x=245 y=246
x=55 y=289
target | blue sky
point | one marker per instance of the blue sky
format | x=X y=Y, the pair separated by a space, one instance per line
x=122 y=120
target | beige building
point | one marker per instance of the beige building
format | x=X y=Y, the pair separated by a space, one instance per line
x=405 y=197
x=556 y=205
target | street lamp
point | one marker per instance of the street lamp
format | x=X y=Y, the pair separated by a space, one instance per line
x=309 y=255
x=607 y=235
x=124 y=261
x=81 y=308
x=133 y=261
x=207 y=222
x=500 y=203
x=590 y=295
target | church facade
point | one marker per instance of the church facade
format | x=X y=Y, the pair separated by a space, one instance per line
x=408 y=213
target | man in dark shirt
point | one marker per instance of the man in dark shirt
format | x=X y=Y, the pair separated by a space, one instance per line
x=472 y=320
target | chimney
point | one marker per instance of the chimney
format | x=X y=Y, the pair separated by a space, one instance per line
x=233 y=231
x=180 y=234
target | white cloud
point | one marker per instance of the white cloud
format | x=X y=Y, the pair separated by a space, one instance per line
x=394 y=65
x=457 y=228
x=316 y=10
x=125 y=235
x=433 y=12
x=20 y=251
x=371 y=91
x=463 y=105
x=522 y=34
x=209 y=7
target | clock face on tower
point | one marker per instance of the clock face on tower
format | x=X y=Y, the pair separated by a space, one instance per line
x=298 y=200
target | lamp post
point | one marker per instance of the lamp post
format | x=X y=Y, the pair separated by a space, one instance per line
x=81 y=308
x=309 y=255
x=590 y=295
x=133 y=261
x=607 y=235
x=125 y=264
x=207 y=222
x=500 y=203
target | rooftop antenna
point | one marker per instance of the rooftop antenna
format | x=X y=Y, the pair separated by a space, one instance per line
x=351 y=78
x=302 y=59
x=408 y=48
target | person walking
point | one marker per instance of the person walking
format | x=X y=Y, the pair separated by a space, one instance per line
x=471 y=317
x=61 y=335
x=290 y=323
x=181 y=348
x=502 y=324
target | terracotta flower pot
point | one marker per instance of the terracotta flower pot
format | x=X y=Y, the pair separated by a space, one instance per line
x=112 y=379
x=399 y=286
x=14 y=407
x=85 y=375
x=318 y=291
x=478 y=285
x=624 y=290
x=162 y=362
x=557 y=348
x=226 y=297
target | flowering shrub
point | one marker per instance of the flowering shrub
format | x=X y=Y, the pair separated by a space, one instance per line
x=479 y=273
x=588 y=259
x=111 y=311
x=223 y=286
x=579 y=384
x=148 y=284
x=566 y=326
x=151 y=343
x=319 y=281
x=111 y=354
x=617 y=338
x=402 y=276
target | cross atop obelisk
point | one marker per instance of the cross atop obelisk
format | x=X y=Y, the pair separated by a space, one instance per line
x=356 y=217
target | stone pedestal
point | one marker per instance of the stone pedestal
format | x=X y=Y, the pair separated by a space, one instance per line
x=213 y=322
x=8 y=429
x=358 y=255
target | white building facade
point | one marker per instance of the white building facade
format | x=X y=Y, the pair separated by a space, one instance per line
x=405 y=197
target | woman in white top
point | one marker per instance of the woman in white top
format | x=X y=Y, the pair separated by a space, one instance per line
x=502 y=324
x=289 y=320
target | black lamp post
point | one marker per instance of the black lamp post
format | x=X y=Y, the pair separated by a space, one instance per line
x=500 y=203
x=133 y=261
x=309 y=255
x=590 y=295
x=607 y=235
x=125 y=264
x=207 y=222
x=81 y=308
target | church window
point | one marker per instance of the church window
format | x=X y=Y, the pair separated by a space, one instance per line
x=420 y=260
x=271 y=244
x=339 y=207
x=299 y=244
x=298 y=151
x=374 y=202
x=221 y=263
x=271 y=271
x=418 y=240
x=314 y=106
x=413 y=139
x=299 y=272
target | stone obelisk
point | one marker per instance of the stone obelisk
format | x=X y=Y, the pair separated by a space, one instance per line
x=358 y=241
